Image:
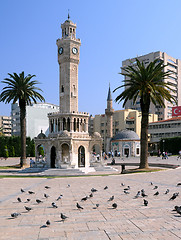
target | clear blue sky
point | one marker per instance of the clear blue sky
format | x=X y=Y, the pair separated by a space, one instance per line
x=110 y=32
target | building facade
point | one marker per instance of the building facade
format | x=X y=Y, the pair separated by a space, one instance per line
x=68 y=143
x=36 y=118
x=5 y=125
x=122 y=119
x=174 y=67
x=164 y=129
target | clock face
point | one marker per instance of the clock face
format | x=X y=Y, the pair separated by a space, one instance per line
x=60 y=50
x=74 y=50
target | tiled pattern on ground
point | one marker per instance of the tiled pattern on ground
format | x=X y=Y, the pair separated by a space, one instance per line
x=131 y=219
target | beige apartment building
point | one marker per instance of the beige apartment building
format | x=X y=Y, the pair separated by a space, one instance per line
x=5 y=125
x=174 y=67
x=122 y=119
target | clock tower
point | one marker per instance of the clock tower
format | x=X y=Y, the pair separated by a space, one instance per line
x=68 y=59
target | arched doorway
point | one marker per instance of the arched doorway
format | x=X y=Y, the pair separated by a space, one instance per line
x=53 y=157
x=81 y=156
x=65 y=153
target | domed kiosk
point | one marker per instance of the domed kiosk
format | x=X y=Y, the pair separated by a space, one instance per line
x=126 y=143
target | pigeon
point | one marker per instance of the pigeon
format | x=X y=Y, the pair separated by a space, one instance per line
x=28 y=199
x=138 y=194
x=54 y=205
x=90 y=195
x=48 y=223
x=128 y=188
x=97 y=205
x=38 y=201
x=106 y=187
x=114 y=205
x=151 y=183
x=60 y=197
x=46 y=195
x=28 y=208
x=167 y=191
x=155 y=187
x=145 y=202
x=31 y=192
x=19 y=199
x=178 y=184
x=143 y=194
x=126 y=192
x=63 y=217
x=68 y=185
x=93 y=190
x=79 y=207
x=22 y=190
x=122 y=184
x=15 y=215
x=174 y=196
x=47 y=187
x=84 y=198
x=156 y=194
x=176 y=208
x=111 y=199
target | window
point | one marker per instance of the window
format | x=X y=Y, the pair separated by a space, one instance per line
x=137 y=151
x=102 y=124
x=62 y=88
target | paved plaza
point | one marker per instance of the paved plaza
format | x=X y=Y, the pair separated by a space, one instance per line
x=130 y=220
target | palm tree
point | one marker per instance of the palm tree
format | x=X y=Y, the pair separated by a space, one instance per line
x=146 y=83
x=23 y=89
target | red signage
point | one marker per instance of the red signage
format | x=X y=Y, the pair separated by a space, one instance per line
x=176 y=111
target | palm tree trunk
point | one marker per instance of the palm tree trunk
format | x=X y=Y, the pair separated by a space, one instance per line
x=22 y=106
x=144 y=134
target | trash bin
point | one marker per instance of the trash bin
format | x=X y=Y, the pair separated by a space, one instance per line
x=122 y=168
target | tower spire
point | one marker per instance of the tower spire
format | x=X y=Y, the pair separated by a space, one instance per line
x=68 y=14
x=109 y=97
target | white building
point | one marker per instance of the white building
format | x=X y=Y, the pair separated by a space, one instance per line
x=174 y=67
x=5 y=125
x=36 y=118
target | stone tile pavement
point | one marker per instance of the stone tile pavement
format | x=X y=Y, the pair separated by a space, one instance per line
x=131 y=219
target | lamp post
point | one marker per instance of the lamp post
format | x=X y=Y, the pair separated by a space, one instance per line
x=163 y=145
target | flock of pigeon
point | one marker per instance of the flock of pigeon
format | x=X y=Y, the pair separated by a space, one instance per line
x=126 y=190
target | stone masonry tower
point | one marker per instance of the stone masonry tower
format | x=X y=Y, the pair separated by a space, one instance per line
x=68 y=59
x=109 y=115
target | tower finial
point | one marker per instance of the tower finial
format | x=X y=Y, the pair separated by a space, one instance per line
x=68 y=14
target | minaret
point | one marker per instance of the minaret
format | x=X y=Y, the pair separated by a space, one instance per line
x=109 y=114
x=68 y=59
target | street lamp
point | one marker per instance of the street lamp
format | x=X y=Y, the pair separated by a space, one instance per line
x=163 y=145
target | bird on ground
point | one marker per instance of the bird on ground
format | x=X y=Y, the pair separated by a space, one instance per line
x=93 y=190
x=106 y=187
x=60 y=197
x=151 y=183
x=174 y=196
x=155 y=187
x=22 y=190
x=126 y=192
x=15 y=215
x=145 y=202
x=48 y=223
x=68 y=185
x=176 y=208
x=54 y=205
x=156 y=194
x=128 y=188
x=138 y=194
x=114 y=205
x=122 y=184
x=97 y=205
x=47 y=187
x=143 y=194
x=31 y=192
x=178 y=184
x=38 y=201
x=19 y=199
x=84 y=198
x=63 y=217
x=28 y=199
x=111 y=199
x=78 y=206
x=46 y=195
x=90 y=195
x=167 y=191
x=28 y=208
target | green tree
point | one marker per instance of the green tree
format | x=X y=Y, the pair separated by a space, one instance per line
x=6 y=153
x=23 y=89
x=148 y=84
x=41 y=151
